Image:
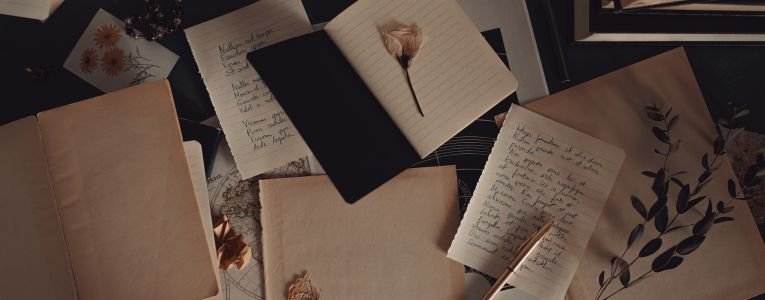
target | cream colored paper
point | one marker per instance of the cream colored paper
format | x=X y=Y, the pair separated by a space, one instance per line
x=392 y=245
x=33 y=257
x=457 y=76
x=261 y=136
x=32 y=9
x=125 y=196
x=731 y=262
x=536 y=165
x=196 y=164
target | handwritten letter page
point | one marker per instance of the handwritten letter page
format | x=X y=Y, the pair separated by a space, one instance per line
x=457 y=76
x=537 y=165
x=261 y=136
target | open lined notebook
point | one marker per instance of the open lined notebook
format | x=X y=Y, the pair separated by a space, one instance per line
x=349 y=100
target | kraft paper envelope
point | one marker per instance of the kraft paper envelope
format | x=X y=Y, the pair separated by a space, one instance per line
x=730 y=264
x=392 y=245
x=98 y=203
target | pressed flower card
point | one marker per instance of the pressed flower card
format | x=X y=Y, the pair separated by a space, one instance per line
x=110 y=60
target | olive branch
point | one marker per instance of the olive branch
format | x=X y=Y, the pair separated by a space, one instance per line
x=689 y=195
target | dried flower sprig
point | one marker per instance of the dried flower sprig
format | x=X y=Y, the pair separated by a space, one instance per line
x=231 y=248
x=303 y=289
x=687 y=198
x=404 y=43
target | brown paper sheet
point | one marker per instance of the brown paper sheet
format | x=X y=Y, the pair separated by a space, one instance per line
x=731 y=262
x=392 y=245
x=33 y=255
x=125 y=196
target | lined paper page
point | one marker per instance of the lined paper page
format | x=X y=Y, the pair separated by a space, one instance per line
x=457 y=76
x=261 y=136
x=537 y=165
x=33 y=9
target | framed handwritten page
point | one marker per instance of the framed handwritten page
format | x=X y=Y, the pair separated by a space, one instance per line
x=257 y=129
x=537 y=167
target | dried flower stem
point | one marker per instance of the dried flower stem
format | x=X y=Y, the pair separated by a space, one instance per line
x=405 y=60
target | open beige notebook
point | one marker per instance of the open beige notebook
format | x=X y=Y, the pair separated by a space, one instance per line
x=98 y=203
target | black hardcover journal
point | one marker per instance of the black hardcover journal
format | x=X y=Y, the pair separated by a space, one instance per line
x=348 y=131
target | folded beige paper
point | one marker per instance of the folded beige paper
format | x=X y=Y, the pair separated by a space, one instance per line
x=392 y=245
x=731 y=262
x=101 y=202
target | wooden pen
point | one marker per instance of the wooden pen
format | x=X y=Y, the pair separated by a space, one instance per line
x=519 y=256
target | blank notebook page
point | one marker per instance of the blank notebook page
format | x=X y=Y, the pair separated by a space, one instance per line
x=456 y=76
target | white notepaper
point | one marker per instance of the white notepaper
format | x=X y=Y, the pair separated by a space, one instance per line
x=457 y=76
x=537 y=165
x=259 y=133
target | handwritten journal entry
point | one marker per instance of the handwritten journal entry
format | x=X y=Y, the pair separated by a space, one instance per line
x=538 y=167
x=259 y=133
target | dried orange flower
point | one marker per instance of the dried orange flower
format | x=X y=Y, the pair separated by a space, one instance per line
x=232 y=250
x=303 y=289
x=113 y=61
x=404 y=43
x=88 y=61
x=108 y=35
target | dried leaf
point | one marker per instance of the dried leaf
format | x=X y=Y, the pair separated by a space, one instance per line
x=732 y=188
x=624 y=277
x=704 y=176
x=639 y=207
x=721 y=208
x=649 y=174
x=661 y=135
x=694 y=202
x=661 y=220
x=719 y=145
x=673 y=122
x=705 y=224
x=663 y=259
x=654 y=114
x=601 y=278
x=659 y=183
x=660 y=204
x=651 y=247
x=690 y=244
x=673 y=262
x=705 y=161
x=723 y=220
x=636 y=233
x=682 y=199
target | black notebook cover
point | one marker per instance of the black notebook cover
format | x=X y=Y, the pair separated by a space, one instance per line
x=207 y=136
x=343 y=124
